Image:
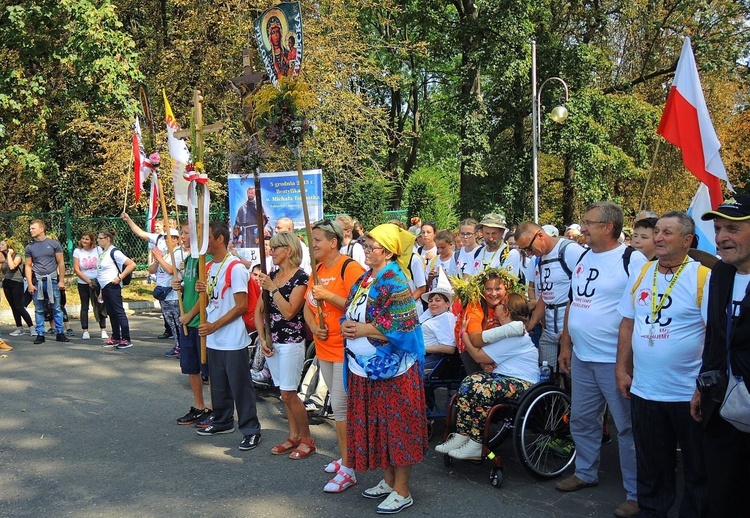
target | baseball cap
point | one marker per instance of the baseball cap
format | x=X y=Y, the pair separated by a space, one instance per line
x=736 y=208
x=551 y=230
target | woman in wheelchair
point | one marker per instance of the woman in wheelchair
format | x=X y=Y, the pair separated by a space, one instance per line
x=513 y=360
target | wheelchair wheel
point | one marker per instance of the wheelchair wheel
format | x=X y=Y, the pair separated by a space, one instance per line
x=541 y=434
x=496 y=477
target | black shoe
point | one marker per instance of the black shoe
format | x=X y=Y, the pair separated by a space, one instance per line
x=193 y=416
x=212 y=429
x=206 y=421
x=606 y=438
x=205 y=380
x=164 y=336
x=39 y=339
x=250 y=441
x=62 y=338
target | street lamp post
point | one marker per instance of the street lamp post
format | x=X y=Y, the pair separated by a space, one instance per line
x=559 y=114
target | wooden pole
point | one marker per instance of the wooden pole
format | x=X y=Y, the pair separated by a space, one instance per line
x=308 y=229
x=648 y=178
x=262 y=252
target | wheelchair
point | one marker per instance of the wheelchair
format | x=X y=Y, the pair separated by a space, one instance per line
x=539 y=423
x=447 y=373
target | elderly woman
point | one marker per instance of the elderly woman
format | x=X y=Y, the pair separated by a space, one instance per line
x=386 y=424
x=515 y=370
x=337 y=274
x=285 y=359
x=112 y=266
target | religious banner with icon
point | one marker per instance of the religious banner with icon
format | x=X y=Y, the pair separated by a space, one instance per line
x=278 y=32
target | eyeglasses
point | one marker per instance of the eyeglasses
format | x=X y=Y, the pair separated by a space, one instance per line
x=528 y=248
x=589 y=222
x=369 y=248
x=274 y=248
x=466 y=234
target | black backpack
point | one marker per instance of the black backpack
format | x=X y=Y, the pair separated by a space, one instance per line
x=125 y=280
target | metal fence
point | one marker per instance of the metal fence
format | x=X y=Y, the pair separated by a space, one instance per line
x=67 y=229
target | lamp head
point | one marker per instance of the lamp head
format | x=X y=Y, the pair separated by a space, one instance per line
x=559 y=114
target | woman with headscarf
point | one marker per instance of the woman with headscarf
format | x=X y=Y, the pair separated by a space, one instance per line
x=386 y=421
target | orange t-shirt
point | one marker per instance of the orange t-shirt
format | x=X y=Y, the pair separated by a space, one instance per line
x=475 y=316
x=332 y=349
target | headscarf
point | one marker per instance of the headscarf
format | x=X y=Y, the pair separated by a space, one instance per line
x=397 y=241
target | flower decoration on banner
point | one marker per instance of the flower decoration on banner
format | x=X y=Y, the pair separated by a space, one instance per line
x=473 y=289
x=247 y=156
x=281 y=113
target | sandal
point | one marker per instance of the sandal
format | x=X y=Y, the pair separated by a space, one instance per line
x=333 y=466
x=285 y=447
x=341 y=482
x=299 y=454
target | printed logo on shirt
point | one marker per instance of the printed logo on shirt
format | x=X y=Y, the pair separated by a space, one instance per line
x=659 y=320
x=644 y=298
x=593 y=275
x=544 y=284
x=579 y=271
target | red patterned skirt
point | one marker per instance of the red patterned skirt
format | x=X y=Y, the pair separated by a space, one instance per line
x=386 y=421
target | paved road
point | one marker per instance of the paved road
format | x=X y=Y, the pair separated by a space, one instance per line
x=87 y=431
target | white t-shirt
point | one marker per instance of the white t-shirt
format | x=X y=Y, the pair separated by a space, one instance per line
x=487 y=259
x=515 y=357
x=163 y=278
x=106 y=269
x=598 y=283
x=438 y=330
x=87 y=260
x=356 y=251
x=450 y=266
x=553 y=285
x=666 y=370
x=232 y=336
x=528 y=267
x=466 y=259
x=157 y=240
x=738 y=293
x=306 y=263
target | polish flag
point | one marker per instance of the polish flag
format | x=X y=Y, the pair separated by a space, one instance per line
x=687 y=124
x=153 y=205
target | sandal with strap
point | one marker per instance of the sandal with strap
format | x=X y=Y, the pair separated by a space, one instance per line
x=341 y=482
x=333 y=466
x=299 y=454
x=285 y=447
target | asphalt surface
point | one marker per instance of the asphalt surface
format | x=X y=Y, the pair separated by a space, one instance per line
x=88 y=431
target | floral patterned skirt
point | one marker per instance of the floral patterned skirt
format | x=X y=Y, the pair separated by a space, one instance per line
x=386 y=421
x=477 y=394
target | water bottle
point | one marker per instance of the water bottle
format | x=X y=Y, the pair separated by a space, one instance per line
x=545 y=372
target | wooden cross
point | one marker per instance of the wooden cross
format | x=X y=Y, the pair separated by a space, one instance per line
x=198 y=127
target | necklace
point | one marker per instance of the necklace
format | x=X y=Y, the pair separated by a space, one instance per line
x=212 y=284
x=656 y=306
x=488 y=264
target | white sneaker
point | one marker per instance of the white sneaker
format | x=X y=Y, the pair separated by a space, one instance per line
x=472 y=450
x=85 y=336
x=17 y=332
x=379 y=491
x=104 y=334
x=395 y=503
x=454 y=442
x=32 y=331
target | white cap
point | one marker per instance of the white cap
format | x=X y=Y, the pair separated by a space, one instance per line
x=551 y=230
x=174 y=232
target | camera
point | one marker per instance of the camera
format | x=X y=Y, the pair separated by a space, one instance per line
x=712 y=384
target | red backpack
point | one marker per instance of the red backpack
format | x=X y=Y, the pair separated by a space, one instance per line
x=253 y=294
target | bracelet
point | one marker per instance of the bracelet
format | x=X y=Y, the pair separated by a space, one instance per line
x=274 y=292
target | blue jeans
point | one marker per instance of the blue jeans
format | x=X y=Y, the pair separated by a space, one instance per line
x=593 y=387
x=658 y=427
x=56 y=308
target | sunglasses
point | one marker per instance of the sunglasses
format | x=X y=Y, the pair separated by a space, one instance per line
x=528 y=248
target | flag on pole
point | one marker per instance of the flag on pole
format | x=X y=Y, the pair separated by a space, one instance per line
x=703 y=229
x=180 y=154
x=686 y=123
x=137 y=153
x=153 y=204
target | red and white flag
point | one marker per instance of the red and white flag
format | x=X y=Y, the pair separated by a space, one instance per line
x=686 y=123
x=137 y=158
x=153 y=205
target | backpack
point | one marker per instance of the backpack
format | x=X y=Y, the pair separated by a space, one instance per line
x=702 y=276
x=125 y=280
x=343 y=266
x=625 y=258
x=253 y=294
